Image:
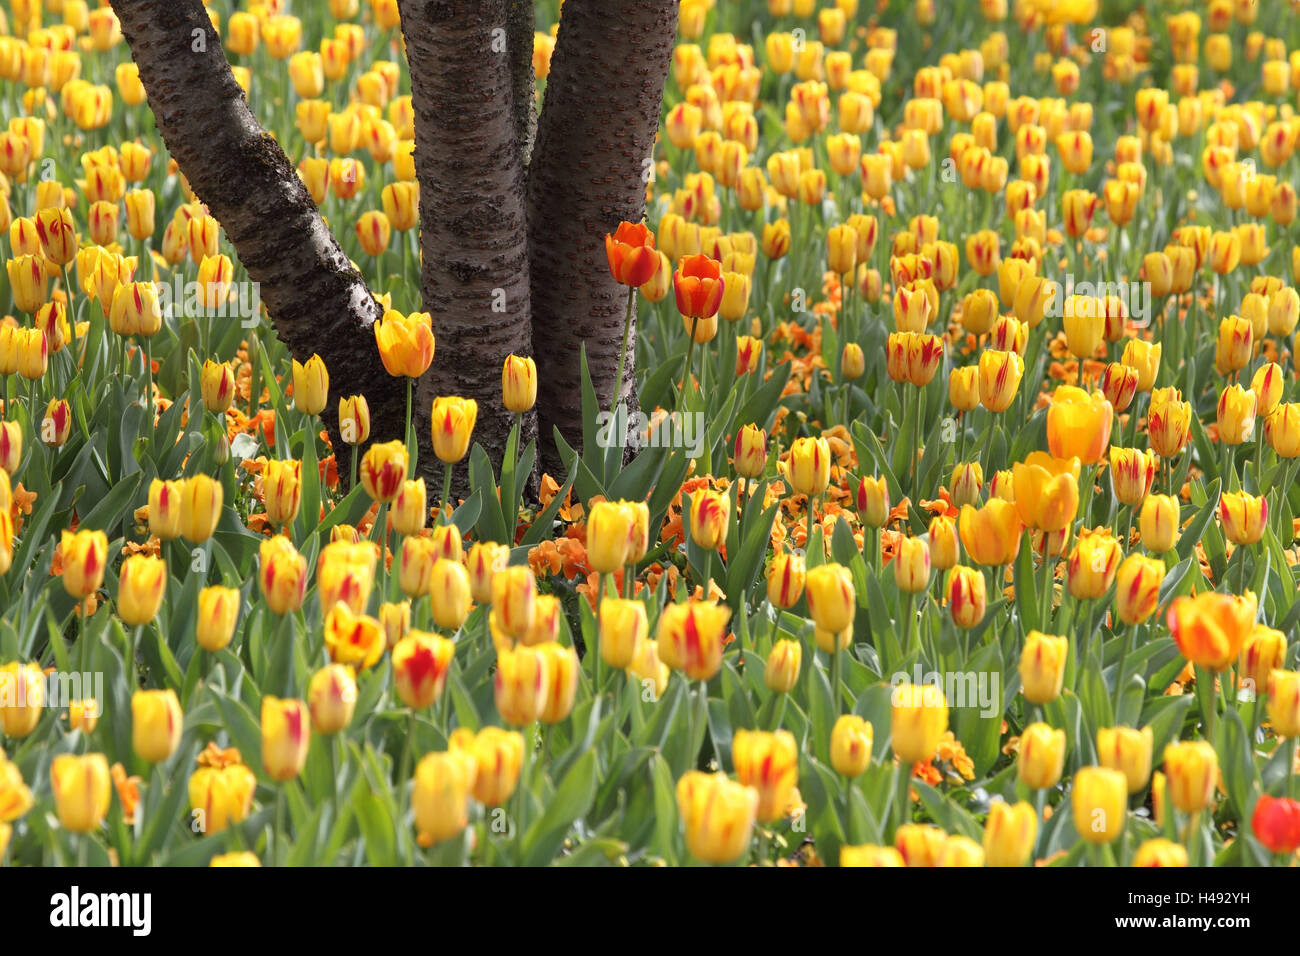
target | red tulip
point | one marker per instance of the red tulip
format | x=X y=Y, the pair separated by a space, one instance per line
x=1277 y=823
x=698 y=285
x=631 y=253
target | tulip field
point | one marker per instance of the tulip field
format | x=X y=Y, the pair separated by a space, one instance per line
x=950 y=517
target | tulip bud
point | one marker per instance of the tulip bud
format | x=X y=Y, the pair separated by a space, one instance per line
x=1243 y=516
x=11 y=446
x=912 y=565
x=410 y=509
x=311 y=384
x=453 y=422
x=497 y=756
x=514 y=599
x=1119 y=383
x=967 y=482
x=965 y=593
x=1042 y=666
x=521 y=686
x=920 y=844
x=1092 y=565
x=352 y=638
x=851 y=745
x=918 y=720
x=85 y=554
x=406 y=343
x=354 y=420
x=750 y=452
x=140 y=589
x=1009 y=833
x=1138 y=588
x=832 y=599
x=710 y=518
x=440 y=795
x=810 y=466
x=1128 y=751
x=1078 y=424
x=1263 y=652
x=285 y=736
x=82 y=791
x=1236 y=415
x=1042 y=757
x=690 y=637
x=964 y=388
x=449 y=594
x=1284 y=702
x=623 y=627
x=217 y=383
x=218 y=610
x=1211 y=627
x=1160 y=852
x=383 y=469
x=1132 y=473
x=562 y=667
x=768 y=763
x=282 y=490
x=1099 y=803
x=519 y=384
x=717 y=815
x=201 y=500
x=421 y=662
x=282 y=575
x=990 y=534
x=156 y=721
x=944 y=550
x=783 y=663
x=872 y=501
x=1192 y=769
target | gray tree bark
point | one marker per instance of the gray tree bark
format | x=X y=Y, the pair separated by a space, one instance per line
x=473 y=225
x=595 y=134
x=317 y=301
x=492 y=232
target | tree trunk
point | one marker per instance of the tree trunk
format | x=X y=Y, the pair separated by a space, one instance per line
x=523 y=81
x=473 y=226
x=316 y=300
x=596 y=132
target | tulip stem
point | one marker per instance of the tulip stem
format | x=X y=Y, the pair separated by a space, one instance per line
x=379 y=533
x=835 y=675
x=909 y=618
x=1210 y=712
x=961 y=438
x=148 y=387
x=404 y=774
x=1124 y=640
x=446 y=494
x=1290 y=765
x=902 y=780
x=134 y=650
x=622 y=354
x=407 y=435
x=595 y=671
x=521 y=790
x=276 y=834
x=812 y=510
x=1089 y=475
